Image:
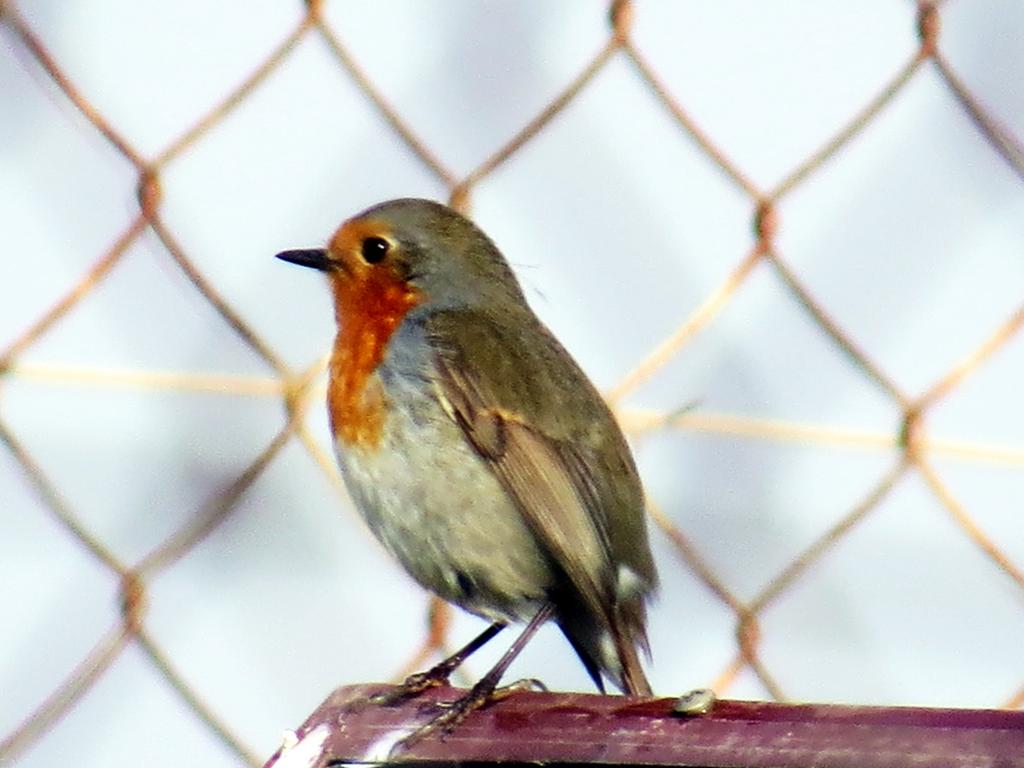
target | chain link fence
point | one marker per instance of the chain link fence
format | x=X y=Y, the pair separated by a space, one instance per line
x=786 y=241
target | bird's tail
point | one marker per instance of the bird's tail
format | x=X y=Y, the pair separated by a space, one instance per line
x=610 y=647
x=632 y=678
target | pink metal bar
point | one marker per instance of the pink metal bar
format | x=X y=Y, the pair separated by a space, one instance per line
x=565 y=728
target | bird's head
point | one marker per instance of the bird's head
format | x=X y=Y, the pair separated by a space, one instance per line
x=415 y=253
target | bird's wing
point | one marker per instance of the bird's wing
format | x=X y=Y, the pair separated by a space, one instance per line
x=532 y=415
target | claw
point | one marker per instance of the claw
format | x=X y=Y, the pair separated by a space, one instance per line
x=410 y=687
x=434 y=677
x=485 y=691
x=454 y=713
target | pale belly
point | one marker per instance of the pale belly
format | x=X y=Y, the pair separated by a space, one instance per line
x=434 y=504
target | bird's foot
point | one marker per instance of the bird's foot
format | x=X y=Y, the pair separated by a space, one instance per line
x=453 y=713
x=411 y=687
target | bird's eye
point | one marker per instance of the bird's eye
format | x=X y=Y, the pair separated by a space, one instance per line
x=375 y=249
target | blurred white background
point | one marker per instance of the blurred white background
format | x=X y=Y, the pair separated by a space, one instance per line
x=620 y=227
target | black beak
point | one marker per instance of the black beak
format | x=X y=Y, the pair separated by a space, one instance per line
x=308 y=257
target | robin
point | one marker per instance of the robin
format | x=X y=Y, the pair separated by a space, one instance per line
x=478 y=452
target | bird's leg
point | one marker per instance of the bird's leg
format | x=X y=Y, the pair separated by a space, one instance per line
x=439 y=673
x=484 y=692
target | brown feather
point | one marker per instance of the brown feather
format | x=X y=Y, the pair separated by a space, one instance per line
x=551 y=441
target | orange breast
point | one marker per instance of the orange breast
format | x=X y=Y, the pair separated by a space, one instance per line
x=369 y=309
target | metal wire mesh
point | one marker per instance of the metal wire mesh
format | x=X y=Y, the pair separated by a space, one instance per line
x=911 y=450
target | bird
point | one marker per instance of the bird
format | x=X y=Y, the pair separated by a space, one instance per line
x=476 y=449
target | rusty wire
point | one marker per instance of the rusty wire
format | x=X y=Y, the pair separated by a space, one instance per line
x=912 y=447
